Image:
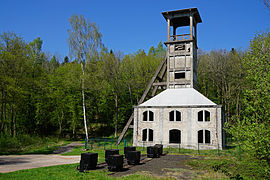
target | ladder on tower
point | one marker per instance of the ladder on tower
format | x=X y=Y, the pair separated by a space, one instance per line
x=159 y=76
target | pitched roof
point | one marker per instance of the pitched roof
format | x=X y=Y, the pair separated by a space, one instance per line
x=179 y=97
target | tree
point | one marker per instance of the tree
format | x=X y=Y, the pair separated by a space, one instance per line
x=252 y=129
x=111 y=69
x=66 y=60
x=84 y=41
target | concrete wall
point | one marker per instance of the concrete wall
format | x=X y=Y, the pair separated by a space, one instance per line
x=189 y=127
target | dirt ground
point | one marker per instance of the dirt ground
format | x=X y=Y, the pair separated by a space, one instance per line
x=165 y=166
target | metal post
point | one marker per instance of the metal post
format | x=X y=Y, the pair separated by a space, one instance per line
x=198 y=148
x=218 y=150
x=85 y=143
x=104 y=144
x=179 y=148
x=111 y=143
x=124 y=143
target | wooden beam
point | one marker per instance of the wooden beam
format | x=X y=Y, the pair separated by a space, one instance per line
x=142 y=98
x=161 y=77
x=152 y=81
x=160 y=84
x=191 y=26
x=168 y=30
x=125 y=128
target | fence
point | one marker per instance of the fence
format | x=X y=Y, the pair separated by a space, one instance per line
x=232 y=148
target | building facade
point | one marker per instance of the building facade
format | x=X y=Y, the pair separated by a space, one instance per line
x=180 y=115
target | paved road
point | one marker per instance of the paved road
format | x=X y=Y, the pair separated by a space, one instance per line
x=11 y=163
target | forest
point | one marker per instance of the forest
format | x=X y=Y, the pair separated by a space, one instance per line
x=43 y=95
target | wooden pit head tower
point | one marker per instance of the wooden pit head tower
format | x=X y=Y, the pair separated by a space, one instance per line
x=182 y=48
x=180 y=61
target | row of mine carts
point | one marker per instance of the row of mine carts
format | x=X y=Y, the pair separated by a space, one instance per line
x=115 y=161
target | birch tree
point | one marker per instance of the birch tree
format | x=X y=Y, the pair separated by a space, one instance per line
x=84 y=41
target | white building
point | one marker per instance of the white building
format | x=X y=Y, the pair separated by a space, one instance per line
x=180 y=115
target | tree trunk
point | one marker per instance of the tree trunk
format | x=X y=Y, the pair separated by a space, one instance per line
x=11 y=122
x=2 y=110
x=116 y=115
x=14 y=125
x=83 y=103
x=130 y=94
x=5 y=113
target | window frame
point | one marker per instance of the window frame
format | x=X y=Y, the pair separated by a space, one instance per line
x=148 y=116
x=204 y=140
x=147 y=139
x=174 y=118
x=204 y=117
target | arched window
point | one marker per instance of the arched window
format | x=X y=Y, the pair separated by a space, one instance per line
x=175 y=136
x=148 y=116
x=200 y=136
x=172 y=116
x=151 y=116
x=151 y=135
x=175 y=115
x=147 y=135
x=206 y=116
x=178 y=116
x=203 y=115
x=145 y=116
x=204 y=136
x=200 y=116
x=207 y=136
x=144 y=135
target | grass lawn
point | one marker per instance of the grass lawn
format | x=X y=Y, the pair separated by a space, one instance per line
x=30 y=145
x=67 y=172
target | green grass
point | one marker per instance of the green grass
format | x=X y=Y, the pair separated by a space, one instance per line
x=29 y=145
x=68 y=172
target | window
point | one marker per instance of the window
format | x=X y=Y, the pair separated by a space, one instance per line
x=151 y=134
x=203 y=115
x=145 y=116
x=148 y=116
x=178 y=116
x=179 y=75
x=151 y=116
x=200 y=116
x=144 y=135
x=206 y=116
x=147 y=135
x=207 y=136
x=175 y=136
x=204 y=136
x=175 y=115
x=200 y=136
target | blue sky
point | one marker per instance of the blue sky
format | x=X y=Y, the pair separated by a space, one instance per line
x=128 y=26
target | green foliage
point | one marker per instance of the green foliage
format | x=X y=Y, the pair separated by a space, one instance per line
x=252 y=128
x=40 y=96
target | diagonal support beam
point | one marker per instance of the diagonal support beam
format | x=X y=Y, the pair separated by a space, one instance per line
x=142 y=98
x=161 y=77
